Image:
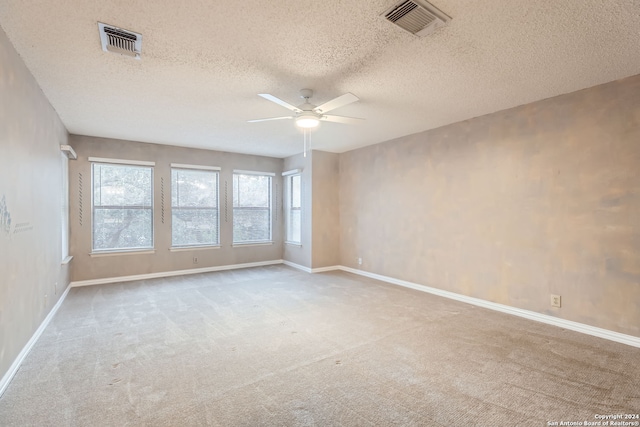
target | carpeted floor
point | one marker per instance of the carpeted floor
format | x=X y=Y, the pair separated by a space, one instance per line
x=275 y=346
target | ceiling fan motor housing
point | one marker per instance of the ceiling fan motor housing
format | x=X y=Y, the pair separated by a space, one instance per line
x=306 y=93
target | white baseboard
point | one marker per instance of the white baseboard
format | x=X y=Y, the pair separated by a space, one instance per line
x=543 y=318
x=298 y=266
x=531 y=315
x=171 y=273
x=324 y=269
x=15 y=366
x=311 y=270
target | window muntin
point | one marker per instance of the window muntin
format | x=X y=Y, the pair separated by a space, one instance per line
x=122 y=204
x=293 y=208
x=251 y=208
x=194 y=207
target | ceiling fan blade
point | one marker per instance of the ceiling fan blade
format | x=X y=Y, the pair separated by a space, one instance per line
x=342 y=119
x=270 y=118
x=338 y=102
x=279 y=102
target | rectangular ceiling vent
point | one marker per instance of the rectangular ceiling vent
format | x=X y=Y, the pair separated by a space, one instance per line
x=120 y=41
x=418 y=17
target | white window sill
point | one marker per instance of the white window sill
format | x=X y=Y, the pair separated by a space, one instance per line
x=115 y=253
x=293 y=244
x=192 y=248
x=67 y=260
x=239 y=245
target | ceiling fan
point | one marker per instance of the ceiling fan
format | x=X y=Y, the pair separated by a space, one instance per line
x=308 y=115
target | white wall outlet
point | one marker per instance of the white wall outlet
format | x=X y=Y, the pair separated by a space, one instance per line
x=556 y=300
x=195 y=259
x=359 y=261
x=55 y=288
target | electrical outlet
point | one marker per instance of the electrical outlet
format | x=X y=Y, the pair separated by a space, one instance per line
x=359 y=261
x=556 y=300
x=195 y=259
x=55 y=288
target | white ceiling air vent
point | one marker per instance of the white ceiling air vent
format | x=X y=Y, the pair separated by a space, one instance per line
x=120 y=41
x=418 y=17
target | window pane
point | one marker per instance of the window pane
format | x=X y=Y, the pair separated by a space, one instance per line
x=295 y=191
x=251 y=191
x=251 y=208
x=251 y=224
x=118 y=185
x=194 y=207
x=293 y=203
x=194 y=226
x=294 y=226
x=122 y=207
x=194 y=188
x=122 y=228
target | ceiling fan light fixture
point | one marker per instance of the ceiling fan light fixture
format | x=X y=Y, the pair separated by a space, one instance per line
x=307 y=121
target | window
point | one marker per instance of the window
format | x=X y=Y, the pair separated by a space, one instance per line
x=194 y=207
x=251 y=207
x=67 y=153
x=65 y=207
x=122 y=205
x=293 y=205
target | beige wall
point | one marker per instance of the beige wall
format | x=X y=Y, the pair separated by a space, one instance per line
x=86 y=267
x=325 y=210
x=32 y=278
x=320 y=245
x=301 y=254
x=510 y=207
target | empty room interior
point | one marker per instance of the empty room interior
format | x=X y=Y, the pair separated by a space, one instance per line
x=322 y=213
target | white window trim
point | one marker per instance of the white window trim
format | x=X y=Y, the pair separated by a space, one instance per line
x=200 y=167
x=192 y=248
x=287 y=205
x=65 y=244
x=243 y=172
x=124 y=251
x=271 y=207
x=292 y=172
x=121 y=162
x=256 y=243
x=69 y=152
x=203 y=168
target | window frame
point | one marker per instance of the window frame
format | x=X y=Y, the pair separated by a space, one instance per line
x=235 y=242
x=119 y=162
x=64 y=223
x=288 y=201
x=215 y=170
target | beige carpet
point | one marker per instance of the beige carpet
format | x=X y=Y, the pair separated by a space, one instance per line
x=275 y=346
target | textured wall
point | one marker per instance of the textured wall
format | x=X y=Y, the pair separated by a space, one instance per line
x=510 y=207
x=301 y=255
x=325 y=210
x=87 y=267
x=31 y=275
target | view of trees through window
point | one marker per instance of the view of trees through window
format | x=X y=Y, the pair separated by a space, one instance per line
x=293 y=209
x=251 y=208
x=122 y=207
x=194 y=207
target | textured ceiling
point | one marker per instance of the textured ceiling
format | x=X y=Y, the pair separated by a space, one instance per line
x=205 y=62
